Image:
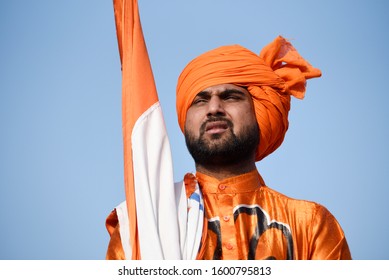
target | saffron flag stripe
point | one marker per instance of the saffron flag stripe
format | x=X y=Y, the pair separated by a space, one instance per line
x=157 y=225
x=138 y=94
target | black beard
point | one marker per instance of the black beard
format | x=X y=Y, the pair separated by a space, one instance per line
x=231 y=150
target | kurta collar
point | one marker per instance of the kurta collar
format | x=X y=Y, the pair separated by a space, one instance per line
x=238 y=184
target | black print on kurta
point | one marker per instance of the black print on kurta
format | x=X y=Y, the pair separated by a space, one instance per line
x=262 y=226
x=214 y=225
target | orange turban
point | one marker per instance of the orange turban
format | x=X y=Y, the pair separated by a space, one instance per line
x=278 y=72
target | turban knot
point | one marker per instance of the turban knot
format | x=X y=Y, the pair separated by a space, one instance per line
x=270 y=77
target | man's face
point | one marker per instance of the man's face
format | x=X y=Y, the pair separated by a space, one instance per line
x=220 y=126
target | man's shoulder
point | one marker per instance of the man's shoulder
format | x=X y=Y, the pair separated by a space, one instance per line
x=291 y=202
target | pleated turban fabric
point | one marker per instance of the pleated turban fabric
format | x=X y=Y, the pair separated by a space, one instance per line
x=271 y=78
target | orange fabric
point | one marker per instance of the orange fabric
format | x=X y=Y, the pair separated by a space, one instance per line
x=247 y=220
x=278 y=72
x=190 y=184
x=138 y=94
x=115 y=250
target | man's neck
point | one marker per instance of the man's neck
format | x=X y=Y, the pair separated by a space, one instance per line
x=222 y=172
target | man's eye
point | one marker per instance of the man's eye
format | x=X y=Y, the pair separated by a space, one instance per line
x=232 y=97
x=199 y=101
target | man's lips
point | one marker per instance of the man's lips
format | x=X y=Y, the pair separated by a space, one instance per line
x=216 y=127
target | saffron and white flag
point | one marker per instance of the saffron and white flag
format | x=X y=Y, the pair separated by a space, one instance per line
x=154 y=218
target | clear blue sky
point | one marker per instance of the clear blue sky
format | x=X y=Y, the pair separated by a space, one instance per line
x=61 y=163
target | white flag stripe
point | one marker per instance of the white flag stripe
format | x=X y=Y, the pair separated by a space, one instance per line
x=154 y=187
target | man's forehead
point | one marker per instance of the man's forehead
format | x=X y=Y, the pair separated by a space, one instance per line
x=223 y=88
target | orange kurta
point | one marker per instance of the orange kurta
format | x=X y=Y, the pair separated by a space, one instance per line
x=248 y=220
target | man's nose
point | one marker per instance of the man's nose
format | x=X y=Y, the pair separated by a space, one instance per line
x=215 y=106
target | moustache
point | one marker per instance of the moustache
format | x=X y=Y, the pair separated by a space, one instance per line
x=212 y=119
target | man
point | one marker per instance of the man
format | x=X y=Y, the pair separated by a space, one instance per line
x=232 y=106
